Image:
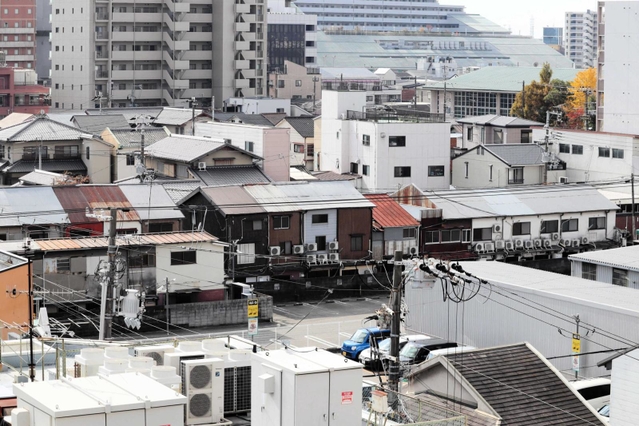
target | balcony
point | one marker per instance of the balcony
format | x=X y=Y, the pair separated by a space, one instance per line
x=242 y=83
x=136 y=75
x=103 y=35
x=102 y=74
x=241 y=64
x=102 y=16
x=137 y=36
x=101 y=55
x=242 y=45
x=395 y=116
x=174 y=83
x=242 y=8
x=242 y=27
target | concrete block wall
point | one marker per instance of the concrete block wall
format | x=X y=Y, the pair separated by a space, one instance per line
x=224 y=312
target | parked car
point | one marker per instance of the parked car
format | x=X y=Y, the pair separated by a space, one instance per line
x=605 y=413
x=596 y=391
x=417 y=352
x=361 y=340
x=449 y=351
x=374 y=357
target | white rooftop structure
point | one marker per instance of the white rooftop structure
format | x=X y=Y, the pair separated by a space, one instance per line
x=623 y=258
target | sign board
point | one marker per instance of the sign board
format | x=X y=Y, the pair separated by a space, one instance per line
x=576 y=343
x=253 y=308
x=252 y=326
x=347 y=397
x=575 y=363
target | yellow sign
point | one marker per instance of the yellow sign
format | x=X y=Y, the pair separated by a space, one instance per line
x=576 y=343
x=253 y=308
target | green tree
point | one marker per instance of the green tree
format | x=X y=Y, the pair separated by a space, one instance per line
x=539 y=96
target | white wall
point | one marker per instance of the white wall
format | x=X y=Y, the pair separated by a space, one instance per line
x=237 y=133
x=311 y=230
x=261 y=105
x=208 y=269
x=623 y=392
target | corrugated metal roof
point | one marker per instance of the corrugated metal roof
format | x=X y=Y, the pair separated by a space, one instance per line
x=15 y=118
x=232 y=200
x=142 y=196
x=131 y=138
x=305 y=126
x=175 y=116
x=240 y=117
x=231 y=175
x=41 y=128
x=466 y=204
x=517 y=154
x=622 y=257
x=60 y=166
x=125 y=240
x=131 y=114
x=183 y=148
x=75 y=199
x=30 y=205
x=498 y=121
x=40 y=177
x=95 y=124
x=388 y=213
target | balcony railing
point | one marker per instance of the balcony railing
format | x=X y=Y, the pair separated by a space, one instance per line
x=395 y=115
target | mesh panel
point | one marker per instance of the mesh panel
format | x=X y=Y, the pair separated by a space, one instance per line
x=237 y=390
x=229 y=390
x=200 y=376
x=200 y=405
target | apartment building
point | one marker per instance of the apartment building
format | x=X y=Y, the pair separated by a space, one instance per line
x=18 y=32
x=292 y=36
x=109 y=53
x=580 y=37
x=43 y=41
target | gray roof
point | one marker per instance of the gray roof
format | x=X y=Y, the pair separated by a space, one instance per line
x=61 y=166
x=622 y=257
x=231 y=175
x=498 y=121
x=180 y=189
x=254 y=119
x=175 y=116
x=305 y=126
x=533 y=395
x=500 y=79
x=187 y=149
x=95 y=124
x=130 y=138
x=131 y=114
x=332 y=176
x=30 y=205
x=142 y=195
x=41 y=128
x=524 y=201
x=513 y=154
x=348 y=74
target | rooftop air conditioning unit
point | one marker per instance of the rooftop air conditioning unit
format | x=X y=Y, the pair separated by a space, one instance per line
x=156 y=352
x=555 y=236
x=497 y=228
x=584 y=240
x=537 y=243
x=201 y=165
x=547 y=243
x=479 y=247
x=334 y=257
x=299 y=249
x=509 y=246
x=274 y=250
x=311 y=258
x=519 y=244
x=528 y=244
x=490 y=247
x=322 y=258
x=565 y=243
x=500 y=244
x=414 y=251
x=563 y=179
x=575 y=243
x=311 y=247
x=203 y=386
x=333 y=245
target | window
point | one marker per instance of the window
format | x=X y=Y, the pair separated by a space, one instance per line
x=619 y=277
x=320 y=240
x=589 y=271
x=526 y=136
x=286 y=247
x=469 y=134
x=183 y=257
x=466 y=235
x=521 y=228
x=564 y=148
x=435 y=171
x=499 y=136
x=140 y=259
x=569 y=225
x=617 y=153
x=431 y=237
x=88 y=154
x=67 y=151
x=577 y=149
x=549 y=226
x=604 y=151
x=130 y=160
x=482 y=234
x=63 y=264
x=281 y=222
x=451 y=235
x=466 y=169
x=354 y=168
x=397 y=141
x=249 y=146
x=246 y=253
x=490 y=172
x=298 y=148
x=298 y=83
x=161 y=227
x=357 y=242
x=366 y=170
x=366 y=140
x=257 y=225
x=402 y=172
x=409 y=232
x=516 y=175
x=597 y=223
x=319 y=218
x=280 y=84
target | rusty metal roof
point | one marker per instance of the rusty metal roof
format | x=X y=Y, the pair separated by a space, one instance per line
x=65 y=244
x=232 y=200
x=388 y=213
x=75 y=200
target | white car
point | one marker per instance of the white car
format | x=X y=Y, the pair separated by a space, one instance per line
x=596 y=391
x=373 y=357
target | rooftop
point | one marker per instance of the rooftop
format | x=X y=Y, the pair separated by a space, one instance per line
x=395 y=115
x=184 y=148
x=231 y=175
x=498 y=121
x=175 y=116
x=10 y=260
x=242 y=118
x=305 y=126
x=131 y=138
x=95 y=124
x=621 y=258
x=151 y=202
x=58 y=166
x=515 y=154
x=41 y=129
x=75 y=200
x=40 y=177
x=389 y=214
x=30 y=205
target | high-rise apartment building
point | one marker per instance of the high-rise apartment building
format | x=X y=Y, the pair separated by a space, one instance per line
x=18 y=32
x=117 y=53
x=580 y=35
x=553 y=36
x=43 y=41
x=292 y=36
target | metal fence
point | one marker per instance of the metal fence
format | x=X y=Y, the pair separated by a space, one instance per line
x=395 y=115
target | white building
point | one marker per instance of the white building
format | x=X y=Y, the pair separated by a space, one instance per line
x=387 y=149
x=580 y=34
x=160 y=52
x=618 y=266
x=260 y=105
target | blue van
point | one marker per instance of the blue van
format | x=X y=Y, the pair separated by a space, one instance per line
x=361 y=340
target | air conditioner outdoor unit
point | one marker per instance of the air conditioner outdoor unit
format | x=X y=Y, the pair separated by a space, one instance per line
x=575 y=243
x=490 y=247
x=519 y=244
x=334 y=257
x=201 y=165
x=333 y=245
x=563 y=179
x=479 y=247
x=156 y=352
x=584 y=240
x=299 y=249
x=322 y=258
x=565 y=243
x=497 y=228
x=500 y=244
x=274 y=250
x=528 y=244
x=537 y=243
x=311 y=247
x=547 y=243
x=414 y=251
x=173 y=359
x=555 y=236
x=509 y=246
x=203 y=386
x=311 y=258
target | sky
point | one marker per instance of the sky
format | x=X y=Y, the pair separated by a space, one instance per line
x=517 y=14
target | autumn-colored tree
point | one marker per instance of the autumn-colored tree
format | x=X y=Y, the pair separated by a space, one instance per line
x=533 y=102
x=581 y=99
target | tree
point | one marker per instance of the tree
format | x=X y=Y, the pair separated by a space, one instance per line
x=539 y=97
x=581 y=99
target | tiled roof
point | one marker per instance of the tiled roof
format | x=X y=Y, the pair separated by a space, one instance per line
x=253 y=119
x=388 y=213
x=303 y=125
x=42 y=128
x=187 y=149
x=520 y=385
x=175 y=116
x=95 y=124
x=60 y=166
x=231 y=175
x=518 y=154
x=274 y=117
x=130 y=138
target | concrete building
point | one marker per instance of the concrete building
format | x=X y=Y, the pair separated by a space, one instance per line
x=387 y=149
x=14 y=302
x=18 y=32
x=20 y=92
x=295 y=82
x=292 y=36
x=495 y=129
x=553 y=36
x=122 y=53
x=43 y=42
x=617 y=266
x=302 y=131
x=580 y=35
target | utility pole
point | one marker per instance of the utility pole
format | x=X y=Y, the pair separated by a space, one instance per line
x=40 y=154
x=193 y=104
x=315 y=80
x=632 y=185
x=106 y=307
x=523 y=98
x=31 y=359
x=546 y=138
x=142 y=147
x=578 y=338
x=396 y=303
x=166 y=306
